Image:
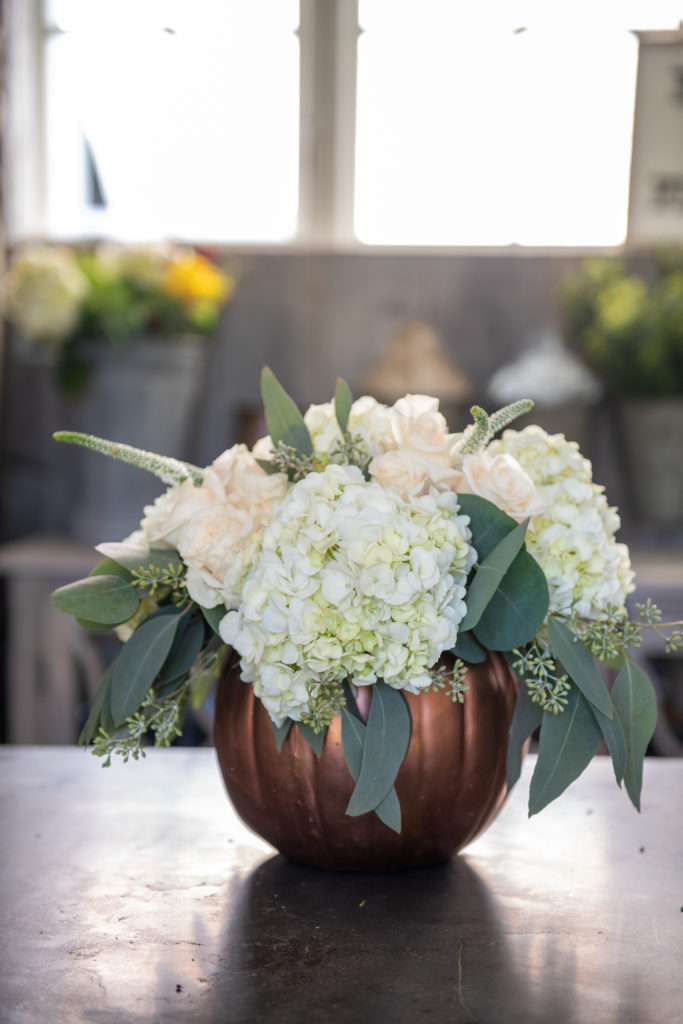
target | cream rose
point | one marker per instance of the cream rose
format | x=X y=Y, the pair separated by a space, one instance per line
x=418 y=425
x=501 y=480
x=165 y=519
x=410 y=473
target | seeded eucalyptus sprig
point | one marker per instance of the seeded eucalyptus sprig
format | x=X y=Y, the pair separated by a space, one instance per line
x=325 y=700
x=546 y=686
x=163 y=715
x=610 y=638
x=452 y=681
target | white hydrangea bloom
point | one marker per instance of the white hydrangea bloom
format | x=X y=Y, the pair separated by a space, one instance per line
x=351 y=581
x=368 y=418
x=45 y=290
x=573 y=540
x=216 y=526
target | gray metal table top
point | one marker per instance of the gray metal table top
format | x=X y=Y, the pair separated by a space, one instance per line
x=134 y=894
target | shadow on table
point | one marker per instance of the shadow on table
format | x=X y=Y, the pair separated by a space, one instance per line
x=309 y=945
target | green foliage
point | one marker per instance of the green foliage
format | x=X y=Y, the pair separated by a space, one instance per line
x=343 y=400
x=568 y=742
x=354 y=734
x=151 y=578
x=385 y=745
x=544 y=685
x=609 y=639
x=214 y=615
x=315 y=740
x=325 y=700
x=163 y=717
x=139 y=663
x=108 y=600
x=628 y=328
x=281 y=732
x=526 y=719
x=490 y=572
x=99 y=713
x=168 y=470
x=485 y=426
x=452 y=680
x=636 y=705
x=467 y=648
x=285 y=422
x=514 y=612
x=579 y=664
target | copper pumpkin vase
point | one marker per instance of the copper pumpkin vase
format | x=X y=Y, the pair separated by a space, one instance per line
x=450 y=786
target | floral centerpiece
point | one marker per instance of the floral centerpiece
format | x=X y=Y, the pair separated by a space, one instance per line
x=344 y=558
x=59 y=297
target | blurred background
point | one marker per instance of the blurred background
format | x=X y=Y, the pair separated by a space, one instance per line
x=478 y=201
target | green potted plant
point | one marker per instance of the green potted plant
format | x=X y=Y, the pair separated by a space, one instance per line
x=120 y=329
x=629 y=328
x=78 y=302
x=390 y=610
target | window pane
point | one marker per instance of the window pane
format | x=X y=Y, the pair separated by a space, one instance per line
x=190 y=112
x=497 y=122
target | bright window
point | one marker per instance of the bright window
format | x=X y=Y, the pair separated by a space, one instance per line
x=173 y=118
x=497 y=122
x=389 y=122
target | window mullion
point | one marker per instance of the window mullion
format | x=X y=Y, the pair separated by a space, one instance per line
x=328 y=34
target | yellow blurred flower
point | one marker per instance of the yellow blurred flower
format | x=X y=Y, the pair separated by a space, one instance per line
x=193 y=279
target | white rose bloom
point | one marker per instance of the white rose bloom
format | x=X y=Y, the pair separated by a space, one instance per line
x=410 y=473
x=501 y=480
x=351 y=581
x=418 y=425
x=216 y=526
x=573 y=540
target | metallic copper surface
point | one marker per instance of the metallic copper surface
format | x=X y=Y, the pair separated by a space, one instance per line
x=450 y=786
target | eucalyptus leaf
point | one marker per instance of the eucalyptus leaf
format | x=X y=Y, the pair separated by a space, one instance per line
x=468 y=649
x=139 y=663
x=285 y=422
x=579 y=663
x=386 y=743
x=100 y=627
x=516 y=611
x=614 y=738
x=568 y=742
x=488 y=523
x=184 y=651
x=102 y=695
x=353 y=732
x=353 y=739
x=268 y=467
x=526 y=719
x=635 y=703
x=314 y=739
x=108 y=567
x=281 y=732
x=343 y=400
x=214 y=615
x=103 y=599
x=133 y=557
x=351 y=704
x=490 y=573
